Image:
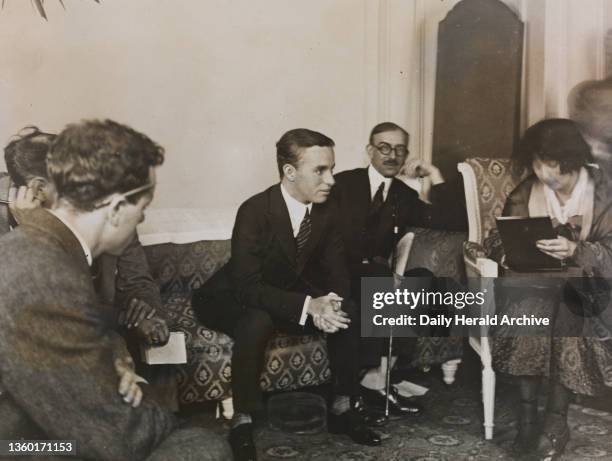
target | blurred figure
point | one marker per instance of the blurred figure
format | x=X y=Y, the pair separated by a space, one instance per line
x=590 y=105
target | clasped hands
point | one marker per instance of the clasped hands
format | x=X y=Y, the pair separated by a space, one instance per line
x=152 y=330
x=327 y=314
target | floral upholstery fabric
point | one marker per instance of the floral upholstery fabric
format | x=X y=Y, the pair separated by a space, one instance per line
x=441 y=253
x=291 y=361
x=472 y=251
x=494 y=182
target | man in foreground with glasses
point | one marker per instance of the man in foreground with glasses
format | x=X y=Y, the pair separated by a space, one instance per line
x=372 y=202
x=58 y=343
x=124 y=282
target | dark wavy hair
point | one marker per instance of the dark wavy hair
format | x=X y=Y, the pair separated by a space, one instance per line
x=556 y=139
x=384 y=127
x=26 y=155
x=94 y=159
x=289 y=145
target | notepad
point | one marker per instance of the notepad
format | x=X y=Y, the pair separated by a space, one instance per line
x=172 y=353
x=519 y=236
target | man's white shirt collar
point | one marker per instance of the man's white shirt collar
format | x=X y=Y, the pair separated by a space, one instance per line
x=84 y=245
x=375 y=179
x=297 y=210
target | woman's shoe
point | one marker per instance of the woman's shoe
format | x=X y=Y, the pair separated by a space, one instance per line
x=553 y=440
x=527 y=428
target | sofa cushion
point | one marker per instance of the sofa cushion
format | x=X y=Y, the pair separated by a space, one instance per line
x=182 y=268
x=291 y=361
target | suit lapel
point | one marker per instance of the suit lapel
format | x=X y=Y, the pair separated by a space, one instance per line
x=362 y=189
x=281 y=223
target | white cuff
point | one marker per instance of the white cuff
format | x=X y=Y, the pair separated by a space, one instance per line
x=304 y=315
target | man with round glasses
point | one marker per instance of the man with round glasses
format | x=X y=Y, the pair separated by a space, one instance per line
x=373 y=202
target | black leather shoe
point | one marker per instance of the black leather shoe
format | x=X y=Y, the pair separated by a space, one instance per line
x=353 y=424
x=398 y=405
x=241 y=441
x=373 y=417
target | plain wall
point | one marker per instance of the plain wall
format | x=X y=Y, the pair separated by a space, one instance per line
x=215 y=82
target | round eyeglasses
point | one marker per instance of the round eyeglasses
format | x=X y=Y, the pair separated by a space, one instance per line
x=386 y=149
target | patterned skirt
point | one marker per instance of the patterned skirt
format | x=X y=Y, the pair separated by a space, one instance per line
x=568 y=352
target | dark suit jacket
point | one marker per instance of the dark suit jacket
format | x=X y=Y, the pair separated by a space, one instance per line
x=117 y=279
x=402 y=208
x=56 y=359
x=263 y=271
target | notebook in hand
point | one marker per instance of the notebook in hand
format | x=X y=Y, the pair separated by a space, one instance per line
x=519 y=236
x=173 y=352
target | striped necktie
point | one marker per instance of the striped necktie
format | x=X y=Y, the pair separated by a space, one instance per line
x=303 y=234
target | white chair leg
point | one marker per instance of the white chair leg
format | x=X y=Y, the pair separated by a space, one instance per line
x=449 y=369
x=488 y=400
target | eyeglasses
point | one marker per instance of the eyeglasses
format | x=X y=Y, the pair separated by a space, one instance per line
x=119 y=197
x=386 y=149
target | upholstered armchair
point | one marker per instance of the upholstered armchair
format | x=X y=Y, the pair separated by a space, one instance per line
x=439 y=251
x=487 y=183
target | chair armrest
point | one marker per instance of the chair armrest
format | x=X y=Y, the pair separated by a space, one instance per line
x=439 y=251
x=476 y=262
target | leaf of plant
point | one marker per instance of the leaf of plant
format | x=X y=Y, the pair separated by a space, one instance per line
x=41 y=8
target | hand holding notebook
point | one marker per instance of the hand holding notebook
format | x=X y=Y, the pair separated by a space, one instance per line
x=525 y=240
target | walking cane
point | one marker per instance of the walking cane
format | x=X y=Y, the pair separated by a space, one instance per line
x=388 y=377
x=390 y=351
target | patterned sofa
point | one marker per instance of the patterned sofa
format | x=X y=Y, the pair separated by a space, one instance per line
x=292 y=361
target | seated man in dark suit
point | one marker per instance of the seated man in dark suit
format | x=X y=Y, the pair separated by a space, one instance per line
x=375 y=210
x=124 y=281
x=287 y=272
x=58 y=344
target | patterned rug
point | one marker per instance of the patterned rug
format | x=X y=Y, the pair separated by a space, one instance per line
x=450 y=429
